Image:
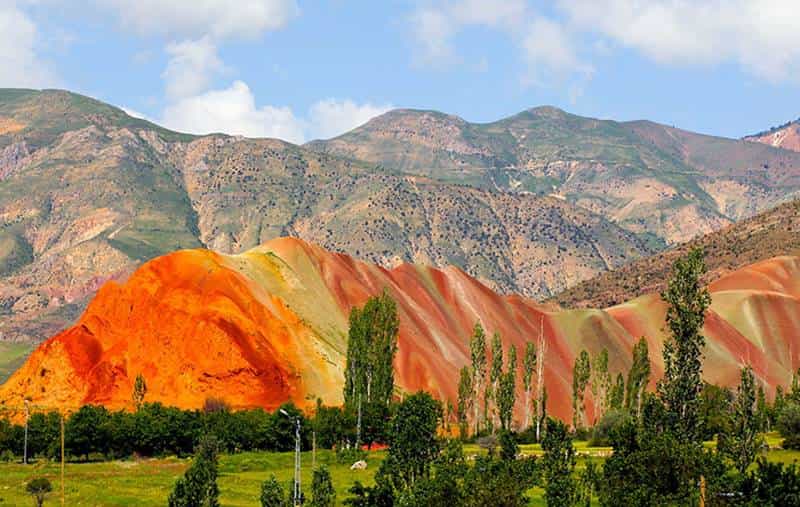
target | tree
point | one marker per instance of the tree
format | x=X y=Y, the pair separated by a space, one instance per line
x=580 y=378
x=413 y=442
x=743 y=441
x=715 y=410
x=559 y=463
x=198 y=486
x=272 y=494
x=465 y=395
x=528 y=369
x=39 y=488
x=495 y=372
x=763 y=410
x=600 y=383
x=687 y=301
x=540 y=404
x=322 y=492
x=617 y=397
x=638 y=377
x=88 y=431
x=139 y=391
x=477 y=349
x=371 y=347
x=507 y=389
x=788 y=425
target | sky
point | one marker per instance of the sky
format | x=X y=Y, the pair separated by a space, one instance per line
x=301 y=70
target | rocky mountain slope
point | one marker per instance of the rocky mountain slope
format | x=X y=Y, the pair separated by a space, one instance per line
x=662 y=183
x=770 y=234
x=786 y=136
x=270 y=325
x=87 y=193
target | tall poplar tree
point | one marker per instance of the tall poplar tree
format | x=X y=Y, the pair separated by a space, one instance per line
x=465 y=397
x=638 y=378
x=687 y=301
x=528 y=369
x=600 y=383
x=581 y=373
x=371 y=347
x=507 y=389
x=477 y=349
x=495 y=372
x=742 y=442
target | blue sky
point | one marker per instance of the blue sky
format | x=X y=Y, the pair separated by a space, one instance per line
x=299 y=70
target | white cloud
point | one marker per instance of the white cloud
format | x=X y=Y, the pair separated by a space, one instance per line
x=221 y=19
x=763 y=36
x=433 y=27
x=550 y=52
x=191 y=66
x=233 y=110
x=330 y=117
x=20 y=66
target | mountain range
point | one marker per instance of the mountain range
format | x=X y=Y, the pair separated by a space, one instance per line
x=270 y=325
x=532 y=204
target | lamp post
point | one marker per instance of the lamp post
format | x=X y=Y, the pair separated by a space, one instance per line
x=297 y=495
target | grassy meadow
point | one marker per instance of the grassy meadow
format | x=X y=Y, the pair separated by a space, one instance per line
x=149 y=482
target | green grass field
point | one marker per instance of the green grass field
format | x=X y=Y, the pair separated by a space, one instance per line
x=149 y=482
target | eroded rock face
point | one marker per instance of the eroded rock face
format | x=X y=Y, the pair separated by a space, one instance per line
x=87 y=194
x=787 y=137
x=269 y=325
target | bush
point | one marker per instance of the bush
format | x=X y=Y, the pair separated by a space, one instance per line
x=788 y=425
x=39 y=488
x=772 y=484
x=601 y=436
x=322 y=492
x=272 y=494
x=7 y=456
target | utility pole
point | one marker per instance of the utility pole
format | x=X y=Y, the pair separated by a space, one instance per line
x=297 y=494
x=62 y=460
x=25 y=445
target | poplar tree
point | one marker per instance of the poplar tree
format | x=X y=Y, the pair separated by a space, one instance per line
x=139 y=391
x=465 y=396
x=687 y=301
x=600 y=383
x=477 y=349
x=540 y=403
x=638 y=378
x=495 y=373
x=742 y=442
x=528 y=369
x=506 y=396
x=581 y=373
x=617 y=396
x=371 y=347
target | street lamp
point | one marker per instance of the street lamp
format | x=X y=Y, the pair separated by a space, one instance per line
x=297 y=496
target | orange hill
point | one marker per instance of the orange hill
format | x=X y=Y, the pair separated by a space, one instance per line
x=270 y=325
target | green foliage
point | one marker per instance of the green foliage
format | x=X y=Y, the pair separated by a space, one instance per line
x=581 y=373
x=715 y=409
x=44 y=434
x=742 y=442
x=650 y=467
x=39 y=488
x=88 y=431
x=559 y=464
x=369 y=372
x=477 y=350
x=465 y=397
x=771 y=484
x=605 y=427
x=508 y=446
x=507 y=390
x=272 y=494
x=333 y=426
x=322 y=492
x=687 y=300
x=616 y=398
x=638 y=378
x=600 y=381
x=413 y=442
x=198 y=486
x=788 y=425
x=139 y=391
x=528 y=370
